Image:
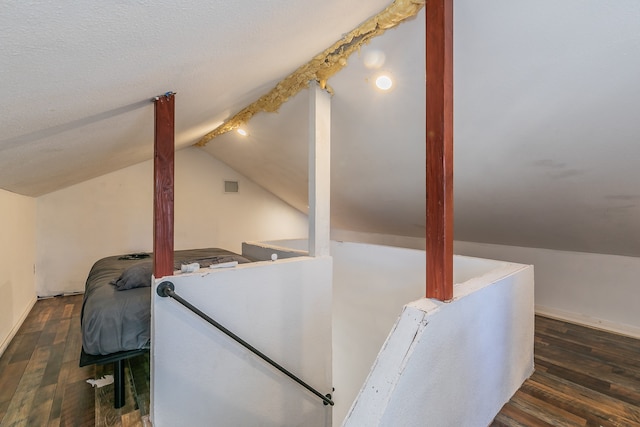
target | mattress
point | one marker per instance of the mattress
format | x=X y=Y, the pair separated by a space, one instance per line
x=120 y=320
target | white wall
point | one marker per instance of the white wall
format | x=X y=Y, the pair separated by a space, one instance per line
x=593 y=289
x=454 y=364
x=371 y=285
x=17 y=262
x=597 y=290
x=112 y=214
x=200 y=377
x=379 y=239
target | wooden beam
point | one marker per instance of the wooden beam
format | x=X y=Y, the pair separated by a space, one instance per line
x=163 y=169
x=439 y=139
x=319 y=170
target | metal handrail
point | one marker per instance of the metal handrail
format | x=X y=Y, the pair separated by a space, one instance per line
x=167 y=289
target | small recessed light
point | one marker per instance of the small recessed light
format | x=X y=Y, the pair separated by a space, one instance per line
x=384 y=82
x=374 y=59
x=242 y=132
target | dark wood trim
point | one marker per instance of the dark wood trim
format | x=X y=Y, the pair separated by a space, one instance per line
x=163 y=170
x=439 y=140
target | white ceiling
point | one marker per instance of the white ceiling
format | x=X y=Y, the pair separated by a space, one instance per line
x=77 y=77
x=546 y=100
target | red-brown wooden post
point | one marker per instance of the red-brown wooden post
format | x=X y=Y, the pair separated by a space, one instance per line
x=439 y=66
x=163 y=168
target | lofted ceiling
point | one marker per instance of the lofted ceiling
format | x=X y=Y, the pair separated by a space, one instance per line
x=546 y=96
x=77 y=77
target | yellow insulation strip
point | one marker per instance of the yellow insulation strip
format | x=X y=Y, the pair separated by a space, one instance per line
x=322 y=66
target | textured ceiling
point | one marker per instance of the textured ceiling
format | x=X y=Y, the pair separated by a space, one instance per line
x=547 y=139
x=77 y=77
x=547 y=135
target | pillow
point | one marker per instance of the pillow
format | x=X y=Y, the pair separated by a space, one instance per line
x=136 y=276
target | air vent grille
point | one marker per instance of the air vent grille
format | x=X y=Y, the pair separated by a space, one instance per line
x=231 y=186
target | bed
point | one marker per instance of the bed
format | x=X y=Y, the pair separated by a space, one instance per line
x=116 y=310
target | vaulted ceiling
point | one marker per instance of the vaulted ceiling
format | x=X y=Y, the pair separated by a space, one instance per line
x=546 y=98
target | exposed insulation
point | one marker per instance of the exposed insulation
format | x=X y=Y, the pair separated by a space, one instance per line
x=323 y=66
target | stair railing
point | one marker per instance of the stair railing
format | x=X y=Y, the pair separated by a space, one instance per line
x=167 y=289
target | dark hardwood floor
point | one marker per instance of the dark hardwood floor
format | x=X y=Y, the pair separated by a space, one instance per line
x=583 y=377
x=41 y=383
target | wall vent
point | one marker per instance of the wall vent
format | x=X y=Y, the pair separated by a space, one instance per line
x=231 y=186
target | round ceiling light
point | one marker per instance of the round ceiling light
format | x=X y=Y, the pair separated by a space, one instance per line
x=374 y=59
x=384 y=82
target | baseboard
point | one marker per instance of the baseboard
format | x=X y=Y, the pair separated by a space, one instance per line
x=62 y=294
x=592 y=322
x=14 y=331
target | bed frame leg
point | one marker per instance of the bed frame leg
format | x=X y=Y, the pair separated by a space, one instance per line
x=118 y=384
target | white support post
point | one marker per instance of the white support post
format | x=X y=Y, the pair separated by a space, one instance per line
x=319 y=170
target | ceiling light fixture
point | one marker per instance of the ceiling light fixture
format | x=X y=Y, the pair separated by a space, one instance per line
x=374 y=59
x=242 y=132
x=384 y=82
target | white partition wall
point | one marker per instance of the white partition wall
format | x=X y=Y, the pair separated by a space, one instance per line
x=371 y=284
x=488 y=326
x=201 y=377
x=443 y=364
x=457 y=363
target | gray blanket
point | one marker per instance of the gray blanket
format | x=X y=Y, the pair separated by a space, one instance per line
x=119 y=320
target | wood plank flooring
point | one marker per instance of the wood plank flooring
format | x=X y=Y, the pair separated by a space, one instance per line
x=41 y=383
x=135 y=411
x=583 y=377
